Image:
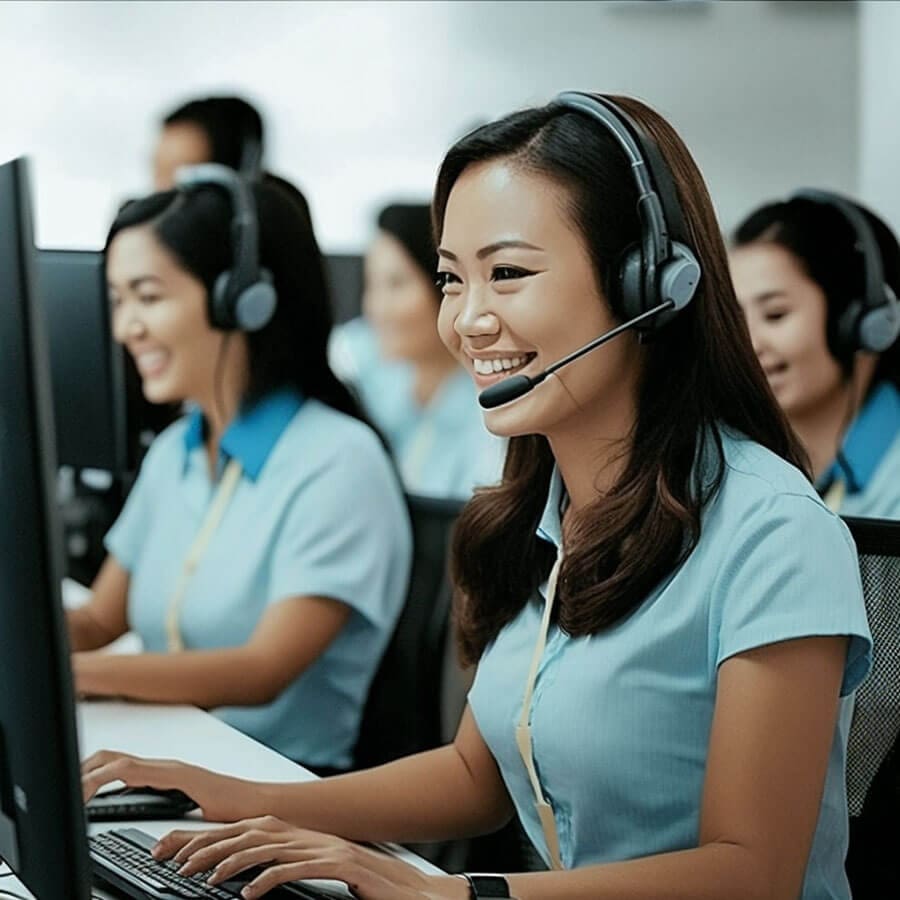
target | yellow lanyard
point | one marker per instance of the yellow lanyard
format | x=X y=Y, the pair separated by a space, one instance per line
x=230 y=478
x=523 y=729
x=834 y=496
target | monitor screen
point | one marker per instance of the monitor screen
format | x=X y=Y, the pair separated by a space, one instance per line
x=86 y=368
x=42 y=829
x=345 y=281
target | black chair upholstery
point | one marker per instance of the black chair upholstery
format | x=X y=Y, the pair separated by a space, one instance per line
x=403 y=710
x=873 y=750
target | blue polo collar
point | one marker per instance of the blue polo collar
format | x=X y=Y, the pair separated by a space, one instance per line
x=252 y=436
x=868 y=439
x=550 y=526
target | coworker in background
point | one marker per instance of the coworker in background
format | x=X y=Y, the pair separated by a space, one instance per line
x=817 y=277
x=263 y=553
x=679 y=728
x=411 y=386
x=224 y=130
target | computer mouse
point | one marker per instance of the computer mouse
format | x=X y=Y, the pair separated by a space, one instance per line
x=133 y=803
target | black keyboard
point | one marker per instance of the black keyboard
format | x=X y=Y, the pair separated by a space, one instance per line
x=122 y=859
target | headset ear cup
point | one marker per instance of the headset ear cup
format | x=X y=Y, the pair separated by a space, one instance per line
x=879 y=326
x=679 y=278
x=256 y=304
x=220 y=312
x=631 y=282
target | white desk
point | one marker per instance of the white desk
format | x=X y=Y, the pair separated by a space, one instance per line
x=188 y=734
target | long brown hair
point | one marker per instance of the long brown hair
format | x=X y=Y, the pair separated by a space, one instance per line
x=699 y=374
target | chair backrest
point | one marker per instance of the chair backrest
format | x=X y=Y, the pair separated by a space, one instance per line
x=403 y=710
x=873 y=748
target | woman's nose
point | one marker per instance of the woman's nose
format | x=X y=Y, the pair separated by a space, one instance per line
x=127 y=324
x=476 y=317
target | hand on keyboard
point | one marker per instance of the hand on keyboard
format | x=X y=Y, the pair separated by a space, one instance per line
x=292 y=854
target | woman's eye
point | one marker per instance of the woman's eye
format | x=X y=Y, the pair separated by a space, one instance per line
x=507 y=273
x=775 y=315
x=148 y=298
x=444 y=279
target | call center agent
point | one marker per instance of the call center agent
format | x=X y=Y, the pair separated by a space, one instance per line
x=817 y=276
x=263 y=553
x=682 y=722
x=410 y=384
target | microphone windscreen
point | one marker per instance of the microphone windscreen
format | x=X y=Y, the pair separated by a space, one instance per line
x=504 y=391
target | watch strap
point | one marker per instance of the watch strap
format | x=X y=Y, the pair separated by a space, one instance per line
x=481 y=885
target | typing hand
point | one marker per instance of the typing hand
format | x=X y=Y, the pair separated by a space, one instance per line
x=218 y=796
x=289 y=854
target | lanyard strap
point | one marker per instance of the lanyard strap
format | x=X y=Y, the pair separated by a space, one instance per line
x=834 y=496
x=227 y=487
x=523 y=729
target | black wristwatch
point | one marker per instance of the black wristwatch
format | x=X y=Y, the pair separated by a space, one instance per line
x=486 y=886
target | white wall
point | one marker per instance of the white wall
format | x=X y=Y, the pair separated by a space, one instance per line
x=362 y=98
x=879 y=172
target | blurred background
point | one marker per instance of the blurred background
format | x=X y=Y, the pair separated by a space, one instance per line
x=360 y=99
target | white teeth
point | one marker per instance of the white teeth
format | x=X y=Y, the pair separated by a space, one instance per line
x=150 y=361
x=491 y=366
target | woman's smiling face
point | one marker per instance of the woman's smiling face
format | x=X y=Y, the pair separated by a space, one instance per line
x=786 y=313
x=520 y=293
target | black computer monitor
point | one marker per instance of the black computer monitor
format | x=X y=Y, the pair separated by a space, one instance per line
x=87 y=370
x=345 y=281
x=42 y=828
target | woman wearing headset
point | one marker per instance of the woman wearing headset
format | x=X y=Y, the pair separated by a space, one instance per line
x=409 y=383
x=255 y=594
x=807 y=272
x=665 y=615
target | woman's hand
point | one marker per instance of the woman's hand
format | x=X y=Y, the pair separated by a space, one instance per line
x=220 y=797
x=289 y=853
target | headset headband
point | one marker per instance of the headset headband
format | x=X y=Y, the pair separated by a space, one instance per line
x=666 y=268
x=244 y=237
x=865 y=243
x=243 y=296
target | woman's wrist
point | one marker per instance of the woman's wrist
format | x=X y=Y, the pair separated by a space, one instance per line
x=448 y=887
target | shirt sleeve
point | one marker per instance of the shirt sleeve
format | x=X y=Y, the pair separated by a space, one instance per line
x=124 y=540
x=793 y=572
x=346 y=536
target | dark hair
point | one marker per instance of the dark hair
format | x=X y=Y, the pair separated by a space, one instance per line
x=231 y=124
x=823 y=243
x=410 y=224
x=700 y=373
x=195 y=226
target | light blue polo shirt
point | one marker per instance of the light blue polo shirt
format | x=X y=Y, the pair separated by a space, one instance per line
x=318 y=512
x=871 y=453
x=621 y=719
x=442 y=449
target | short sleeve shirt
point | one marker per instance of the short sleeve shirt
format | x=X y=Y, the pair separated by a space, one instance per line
x=318 y=511
x=621 y=719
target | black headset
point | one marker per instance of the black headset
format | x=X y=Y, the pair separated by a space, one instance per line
x=662 y=268
x=871 y=322
x=243 y=297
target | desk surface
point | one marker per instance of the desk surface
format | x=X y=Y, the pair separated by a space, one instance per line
x=188 y=734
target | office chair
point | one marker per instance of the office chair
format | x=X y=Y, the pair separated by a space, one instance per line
x=403 y=712
x=873 y=750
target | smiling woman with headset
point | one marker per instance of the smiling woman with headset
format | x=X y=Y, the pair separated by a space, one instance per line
x=665 y=615
x=817 y=276
x=236 y=560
